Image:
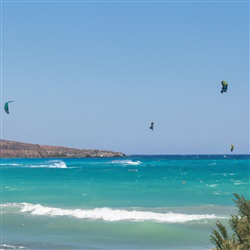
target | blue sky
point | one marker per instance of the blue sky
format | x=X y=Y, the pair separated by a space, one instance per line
x=94 y=75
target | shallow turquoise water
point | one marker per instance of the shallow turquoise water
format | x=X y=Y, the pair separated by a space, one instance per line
x=136 y=202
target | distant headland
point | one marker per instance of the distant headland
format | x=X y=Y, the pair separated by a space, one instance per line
x=13 y=149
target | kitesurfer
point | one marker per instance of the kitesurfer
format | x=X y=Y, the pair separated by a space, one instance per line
x=224 y=86
x=151 y=126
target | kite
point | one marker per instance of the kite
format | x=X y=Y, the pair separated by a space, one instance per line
x=6 y=107
x=232 y=148
x=224 y=86
x=151 y=126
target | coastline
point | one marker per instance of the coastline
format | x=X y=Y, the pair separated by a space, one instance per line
x=14 y=149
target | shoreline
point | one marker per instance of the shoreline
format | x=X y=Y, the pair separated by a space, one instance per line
x=14 y=149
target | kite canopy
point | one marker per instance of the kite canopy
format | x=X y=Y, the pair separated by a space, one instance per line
x=232 y=148
x=224 y=86
x=152 y=126
x=6 y=107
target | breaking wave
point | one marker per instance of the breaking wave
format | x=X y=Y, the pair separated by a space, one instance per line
x=106 y=214
x=51 y=164
x=9 y=164
x=8 y=246
x=127 y=162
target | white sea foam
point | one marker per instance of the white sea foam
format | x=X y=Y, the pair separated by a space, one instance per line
x=127 y=162
x=109 y=214
x=7 y=246
x=10 y=164
x=239 y=182
x=212 y=185
x=51 y=164
x=59 y=165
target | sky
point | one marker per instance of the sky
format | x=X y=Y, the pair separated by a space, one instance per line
x=95 y=74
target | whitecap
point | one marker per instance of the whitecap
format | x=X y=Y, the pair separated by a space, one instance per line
x=51 y=164
x=218 y=193
x=126 y=162
x=212 y=185
x=60 y=165
x=10 y=164
x=8 y=246
x=238 y=182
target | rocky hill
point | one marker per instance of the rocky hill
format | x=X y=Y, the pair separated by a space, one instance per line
x=13 y=149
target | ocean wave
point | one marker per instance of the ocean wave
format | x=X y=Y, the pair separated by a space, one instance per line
x=51 y=164
x=212 y=185
x=7 y=246
x=126 y=162
x=107 y=214
x=239 y=182
x=10 y=164
x=221 y=193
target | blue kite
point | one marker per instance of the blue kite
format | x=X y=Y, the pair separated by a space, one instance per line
x=6 y=107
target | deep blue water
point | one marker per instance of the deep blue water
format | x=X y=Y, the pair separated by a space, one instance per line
x=135 y=202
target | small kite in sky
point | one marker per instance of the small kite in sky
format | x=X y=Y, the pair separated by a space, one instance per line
x=224 y=86
x=152 y=126
x=232 y=148
x=6 y=107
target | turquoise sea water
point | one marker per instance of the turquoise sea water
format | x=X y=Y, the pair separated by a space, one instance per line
x=135 y=202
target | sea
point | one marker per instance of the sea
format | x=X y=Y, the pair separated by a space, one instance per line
x=134 y=202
